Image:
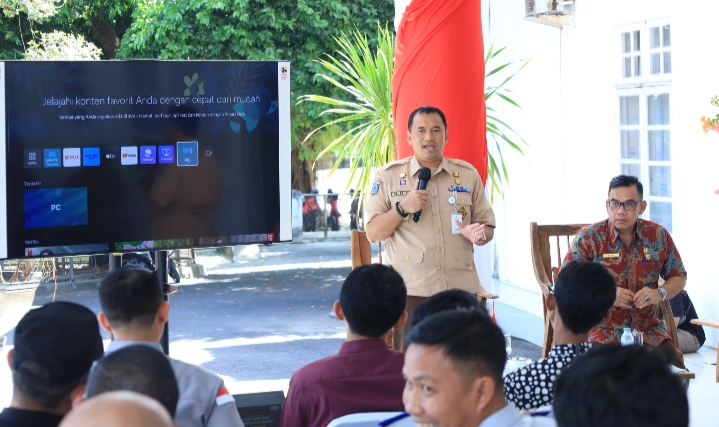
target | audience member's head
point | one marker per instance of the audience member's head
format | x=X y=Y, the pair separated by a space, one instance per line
x=583 y=295
x=132 y=304
x=372 y=301
x=137 y=368
x=118 y=409
x=452 y=299
x=55 y=346
x=453 y=367
x=620 y=386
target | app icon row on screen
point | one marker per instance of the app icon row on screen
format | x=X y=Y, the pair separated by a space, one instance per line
x=186 y=154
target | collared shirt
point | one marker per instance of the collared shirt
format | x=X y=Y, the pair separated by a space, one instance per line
x=204 y=401
x=651 y=255
x=509 y=417
x=365 y=376
x=13 y=417
x=532 y=386
x=427 y=255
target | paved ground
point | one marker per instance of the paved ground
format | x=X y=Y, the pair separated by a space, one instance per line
x=257 y=320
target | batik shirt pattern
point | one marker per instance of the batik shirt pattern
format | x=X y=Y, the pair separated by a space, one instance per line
x=651 y=255
x=532 y=386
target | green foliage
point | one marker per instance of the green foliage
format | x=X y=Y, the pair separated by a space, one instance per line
x=57 y=46
x=365 y=76
x=502 y=134
x=296 y=30
x=21 y=26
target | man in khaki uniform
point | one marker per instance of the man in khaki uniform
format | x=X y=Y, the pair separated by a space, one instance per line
x=427 y=254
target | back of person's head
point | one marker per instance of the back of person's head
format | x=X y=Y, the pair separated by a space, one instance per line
x=118 y=409
x=470 y=339
x=373 y=298
x=452 y=299
x=137 y=368
x=620 y=386
x=55 y=346
x=585 y=292
x=130 y=297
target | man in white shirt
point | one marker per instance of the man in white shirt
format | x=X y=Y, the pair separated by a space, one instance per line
x=453 y=368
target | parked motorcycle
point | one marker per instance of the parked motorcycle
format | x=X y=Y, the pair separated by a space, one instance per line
x=146 y=261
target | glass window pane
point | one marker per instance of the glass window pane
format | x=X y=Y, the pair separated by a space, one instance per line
x=659 y=148
x=658 y=109
x=660 y=181
x=637 y=69
x=626 y=67
x=667 y=62
x=626 y=43
x=632 y=170
x=630 y=144
x=666 y=39
x=629 y=110
x=637 y=47
x=654 y=38
x=654 y=63
x=661 y=213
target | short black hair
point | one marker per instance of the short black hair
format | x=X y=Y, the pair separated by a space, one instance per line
x=620 y=386
x=585 y=292
x=130 y=296
x=373 y=298
x=470 y=339
x=451 y=299
x=137 y=368
x=626 y=181
x=426 y=110
x=43 y=395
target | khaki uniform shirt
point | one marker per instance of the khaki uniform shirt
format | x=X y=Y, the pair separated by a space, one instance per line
x=427 y=255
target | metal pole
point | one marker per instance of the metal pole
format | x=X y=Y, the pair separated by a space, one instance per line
x=161 y=267
x=72 y=270
x=115 y=261
x=325 y=217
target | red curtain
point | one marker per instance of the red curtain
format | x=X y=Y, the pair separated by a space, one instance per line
x=439 y=61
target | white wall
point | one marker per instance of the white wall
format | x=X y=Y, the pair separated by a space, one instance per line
x=570 y=114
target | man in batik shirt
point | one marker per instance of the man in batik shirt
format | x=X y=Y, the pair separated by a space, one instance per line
x=637 y=253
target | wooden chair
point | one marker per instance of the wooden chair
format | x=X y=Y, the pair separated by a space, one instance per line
x=542 y=238
x=710 y=323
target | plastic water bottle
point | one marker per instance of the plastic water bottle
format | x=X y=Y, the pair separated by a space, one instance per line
x=627 y=337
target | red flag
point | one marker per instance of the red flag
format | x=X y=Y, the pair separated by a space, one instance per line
x=439 y=61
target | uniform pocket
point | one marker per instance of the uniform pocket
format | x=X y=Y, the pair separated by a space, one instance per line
x=464 y=209
x=411 y=255
x=464 y=257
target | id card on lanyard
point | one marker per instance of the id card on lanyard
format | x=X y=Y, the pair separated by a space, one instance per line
x=456 y=216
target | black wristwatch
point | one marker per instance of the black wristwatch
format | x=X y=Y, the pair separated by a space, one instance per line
x=401 y=211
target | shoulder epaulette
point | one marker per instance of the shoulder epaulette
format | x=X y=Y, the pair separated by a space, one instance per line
x=395 y=163
x=461 y=163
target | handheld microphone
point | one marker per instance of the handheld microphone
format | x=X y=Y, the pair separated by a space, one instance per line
x=424 y=175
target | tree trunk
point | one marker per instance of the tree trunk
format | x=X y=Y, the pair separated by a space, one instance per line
x=106 y=35
x=303 y=179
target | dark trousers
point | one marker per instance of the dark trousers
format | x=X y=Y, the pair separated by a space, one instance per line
x=399 y=333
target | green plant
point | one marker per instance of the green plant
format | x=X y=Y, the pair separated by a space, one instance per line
x=366 y=77
x=502 y=134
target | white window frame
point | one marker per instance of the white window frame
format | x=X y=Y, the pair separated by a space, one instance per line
x=643 y=86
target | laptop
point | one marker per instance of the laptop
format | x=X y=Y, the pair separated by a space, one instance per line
x=260 y=409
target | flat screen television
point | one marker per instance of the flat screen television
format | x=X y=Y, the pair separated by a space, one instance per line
x=115 y=156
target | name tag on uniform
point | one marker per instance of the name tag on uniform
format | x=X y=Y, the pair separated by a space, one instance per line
x=610 y=255
x=399 y=193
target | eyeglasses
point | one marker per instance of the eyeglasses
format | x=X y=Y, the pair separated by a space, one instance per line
x=629 y=205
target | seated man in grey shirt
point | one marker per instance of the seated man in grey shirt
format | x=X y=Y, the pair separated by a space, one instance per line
x=582 y=296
